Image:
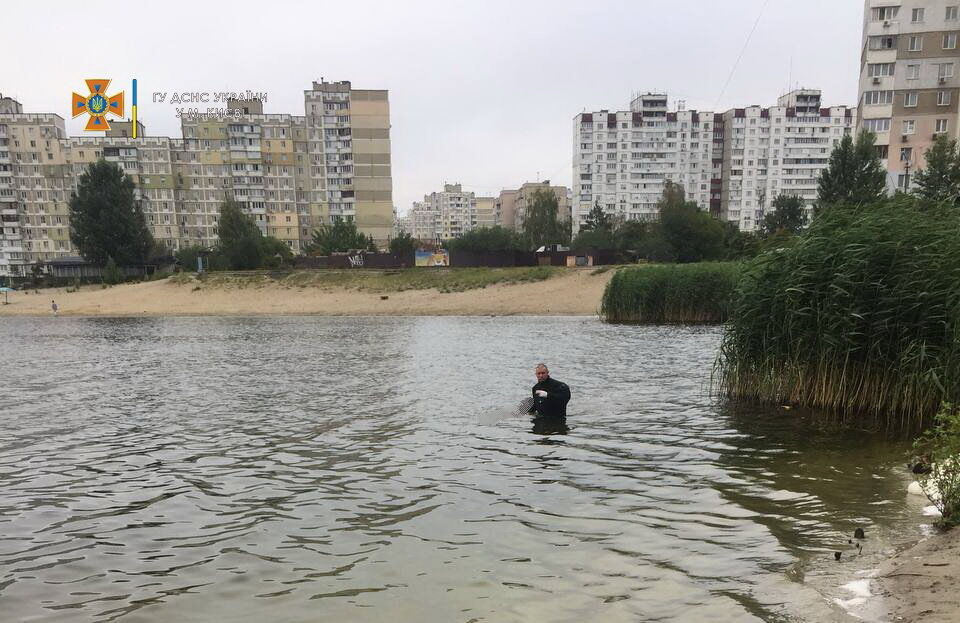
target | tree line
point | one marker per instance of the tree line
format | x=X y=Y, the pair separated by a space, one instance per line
x=109 y=228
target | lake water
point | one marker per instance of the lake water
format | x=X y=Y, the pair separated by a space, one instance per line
x=350 y=469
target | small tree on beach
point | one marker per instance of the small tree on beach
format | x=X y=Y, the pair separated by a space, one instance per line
x=240 y=238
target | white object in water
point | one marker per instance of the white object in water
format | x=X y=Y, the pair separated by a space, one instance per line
x=930 y=490
x=932 y=511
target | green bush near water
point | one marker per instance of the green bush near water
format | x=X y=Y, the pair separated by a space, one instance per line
x=860 y=317
x=671 y=294
x=939 y=447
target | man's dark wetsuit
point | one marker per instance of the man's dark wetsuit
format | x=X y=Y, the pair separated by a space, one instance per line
x=554 y=405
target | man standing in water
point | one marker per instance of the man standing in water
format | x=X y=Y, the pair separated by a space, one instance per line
x=550 y=396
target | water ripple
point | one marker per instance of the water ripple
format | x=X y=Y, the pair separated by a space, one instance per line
x=251 y=469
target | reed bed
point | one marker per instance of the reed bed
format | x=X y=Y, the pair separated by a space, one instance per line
x=861 y=317
x=671 y=294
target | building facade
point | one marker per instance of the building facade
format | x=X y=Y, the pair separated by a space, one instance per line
x=291 y=173
x=444 y=215
x=525 y=195
x=732 y=164
x=909 y=82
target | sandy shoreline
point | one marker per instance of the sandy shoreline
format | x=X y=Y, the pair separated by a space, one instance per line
x=575 y=292
x=921 y=583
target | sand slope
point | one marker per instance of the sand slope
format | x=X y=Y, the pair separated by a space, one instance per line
x=923 y=582
x=575 y=292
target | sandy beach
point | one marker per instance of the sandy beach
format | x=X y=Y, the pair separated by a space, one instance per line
x=572 y=292
x=921 y=583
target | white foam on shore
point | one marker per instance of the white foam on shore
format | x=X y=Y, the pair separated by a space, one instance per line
x=931 y=511
x=860 y=588
x=861 y=591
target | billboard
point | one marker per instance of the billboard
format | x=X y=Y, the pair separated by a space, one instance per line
x=432 y=258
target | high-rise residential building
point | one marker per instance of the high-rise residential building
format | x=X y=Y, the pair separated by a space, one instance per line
x=732 y=164
x=444 y=215
x=777 y=150
x=291 y=173
x=909 y=79
x=505 y=209
x=486 y=212
x=623 y=160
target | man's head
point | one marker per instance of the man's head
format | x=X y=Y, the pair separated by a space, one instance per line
x=542 y=372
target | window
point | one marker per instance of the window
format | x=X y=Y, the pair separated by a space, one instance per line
x=883 y=43
x=902 y=181
x=917 y=16
x=950 y=41
x=882 y=151
x=951 y=14
x=915 y=44
x=913 y=72
x=875 y=70
x=910 y=99
x=945 y=70
x=942 y=125
x=909 y=126
x=884 y=13
x=876 y=125
x=871 y=98
x=906 y=154
x=943 y=98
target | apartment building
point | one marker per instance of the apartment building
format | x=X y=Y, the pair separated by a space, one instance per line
x=622 y=160
x=525 y=195
x=291 y=173
x=486 y=212
x=732 y=164
x=505 y=209
x=777 y=150
x=444 y=215
x=909 y=79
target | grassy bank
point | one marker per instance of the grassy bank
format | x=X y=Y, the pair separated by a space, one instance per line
x=674 y=294
x=379 y=281
x=861 y=317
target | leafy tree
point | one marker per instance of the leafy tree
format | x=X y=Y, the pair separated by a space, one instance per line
x=486 y=240
x=739 y=244
x=240 y=238
x=940 y=181
x=599 y=238
x=854 y=174
x=403 y=245
x=275 y=252
x=597 y=219
x=341 y=236
x=630 y=235
x=788 y=215
x=693 y=234
x=542 y=224
x=105 y=220
x=187 y=256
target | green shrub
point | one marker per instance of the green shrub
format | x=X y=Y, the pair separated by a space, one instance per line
x=939 y=447
x=681 y=294
x=112 y=275
x=859 y=316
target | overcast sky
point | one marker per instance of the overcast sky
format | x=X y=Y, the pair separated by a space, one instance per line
x=482 y=93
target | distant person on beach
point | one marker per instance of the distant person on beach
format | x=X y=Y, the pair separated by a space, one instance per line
x=53 y=307
x=550 y=396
